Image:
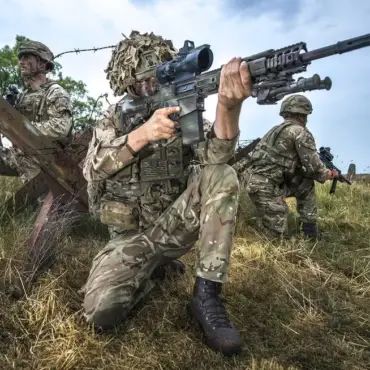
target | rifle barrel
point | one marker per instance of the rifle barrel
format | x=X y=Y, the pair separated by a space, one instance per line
x=339 y=48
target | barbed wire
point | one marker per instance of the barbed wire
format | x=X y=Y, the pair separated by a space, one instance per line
x=83 y=50
x=91 y=49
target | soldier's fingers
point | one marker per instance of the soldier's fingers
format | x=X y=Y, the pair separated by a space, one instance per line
x=244 y=75
x=235 y=66
x=168 y=110
x=167 y=130
x=167 y=135
x=235 y=73
x=226 y=72
x=166 y=122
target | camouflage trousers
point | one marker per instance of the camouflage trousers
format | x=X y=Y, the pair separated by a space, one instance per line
x=16 y=160
x=120 y=276
x=269 y=199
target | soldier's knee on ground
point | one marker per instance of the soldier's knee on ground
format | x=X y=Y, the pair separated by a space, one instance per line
x=103 y=308
x=119 y=279
x=106 y=318
x=106 y=308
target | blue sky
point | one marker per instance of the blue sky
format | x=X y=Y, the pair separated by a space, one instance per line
x=340 y=118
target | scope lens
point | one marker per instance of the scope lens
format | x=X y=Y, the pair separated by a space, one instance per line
x=205 y=59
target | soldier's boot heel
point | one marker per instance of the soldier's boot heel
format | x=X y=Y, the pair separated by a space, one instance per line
x=173 y=268
x=207 y=310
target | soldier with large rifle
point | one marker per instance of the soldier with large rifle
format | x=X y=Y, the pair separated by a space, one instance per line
x=182 y=81
x=140 y=173
x=178 y=80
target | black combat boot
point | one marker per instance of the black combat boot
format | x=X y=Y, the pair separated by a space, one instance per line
x=174 y=267
x=208 y=311
x=311 y=231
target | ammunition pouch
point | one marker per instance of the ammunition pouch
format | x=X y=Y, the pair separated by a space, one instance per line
x=122 y=215
x=141 y=192
x=167 y=162
x=267 y=154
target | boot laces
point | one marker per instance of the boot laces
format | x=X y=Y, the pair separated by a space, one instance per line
x=215 y=310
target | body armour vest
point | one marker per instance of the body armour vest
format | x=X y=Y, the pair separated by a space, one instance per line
x=137 y=195
x=267 y=153
x=32 y=103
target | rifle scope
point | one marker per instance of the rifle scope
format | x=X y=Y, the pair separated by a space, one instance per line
x=194 y=61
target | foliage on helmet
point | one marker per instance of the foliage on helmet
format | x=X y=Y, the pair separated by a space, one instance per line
x=38 y=49
x=296 y=104
x=135 y=58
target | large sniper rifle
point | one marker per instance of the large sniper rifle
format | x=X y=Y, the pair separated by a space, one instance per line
x=327 y=157
x=183 y=83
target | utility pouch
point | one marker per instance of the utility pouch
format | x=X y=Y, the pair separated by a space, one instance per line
x=122 y=215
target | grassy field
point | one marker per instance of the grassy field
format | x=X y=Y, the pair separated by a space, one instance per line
x=298 y=305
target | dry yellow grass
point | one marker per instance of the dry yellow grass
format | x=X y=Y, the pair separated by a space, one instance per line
x=298 y=305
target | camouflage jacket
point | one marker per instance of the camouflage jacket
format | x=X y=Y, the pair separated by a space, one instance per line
x=48 y=108
x=287 y=150
x=143 y=185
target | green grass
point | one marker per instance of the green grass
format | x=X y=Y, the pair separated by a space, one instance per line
x=297 y=304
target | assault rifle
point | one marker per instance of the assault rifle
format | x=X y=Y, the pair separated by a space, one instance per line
x=183 y=83
x=243 y=151
x=327 y=158
x=12 y=94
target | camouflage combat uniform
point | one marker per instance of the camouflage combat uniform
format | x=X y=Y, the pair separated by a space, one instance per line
x=156 y=207
x=158 y=203
x=47 y=108
x=284 y=164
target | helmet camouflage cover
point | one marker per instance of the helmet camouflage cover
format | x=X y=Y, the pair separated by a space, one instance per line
x=135 y=59
x=38 y=49
x=296 y=104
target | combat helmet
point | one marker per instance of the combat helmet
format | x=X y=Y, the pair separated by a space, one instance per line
x=135 y=58
x=296 y=104
x=38 y=49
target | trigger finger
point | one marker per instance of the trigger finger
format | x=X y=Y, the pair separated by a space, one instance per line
x=244 y=73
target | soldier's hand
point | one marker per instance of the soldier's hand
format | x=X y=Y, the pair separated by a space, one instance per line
x=332 y=174
x=160 y=126
x=235 y=83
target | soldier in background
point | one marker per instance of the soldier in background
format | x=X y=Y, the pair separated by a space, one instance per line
x=284 y=164
x=156 y=203
x=45 y=103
